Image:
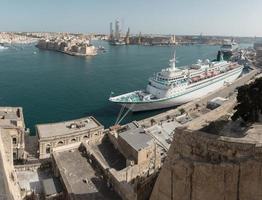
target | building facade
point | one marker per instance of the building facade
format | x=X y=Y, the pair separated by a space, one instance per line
x=63 y=133
x=12 y=123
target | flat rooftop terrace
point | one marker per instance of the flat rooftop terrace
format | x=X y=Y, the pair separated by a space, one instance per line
x=136 y=138
x=9 y=114
x=80 y=179
x=163 y=134
x=67 y=127
x=31 y=179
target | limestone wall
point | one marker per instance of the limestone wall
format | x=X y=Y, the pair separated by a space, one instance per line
x=8 y=175
x=92 y=136
x=202 y=166
x=27 y=167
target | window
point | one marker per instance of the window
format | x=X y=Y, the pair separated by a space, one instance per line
x=14 y=140
x=85 y=137
x=48 y=148
x=60 y=143
x=73 y=140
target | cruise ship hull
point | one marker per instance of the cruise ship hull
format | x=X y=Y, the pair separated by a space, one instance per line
x=186 y=97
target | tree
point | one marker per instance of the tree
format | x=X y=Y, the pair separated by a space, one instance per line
x=249 y=99
x=153 y=121
x=182 y=111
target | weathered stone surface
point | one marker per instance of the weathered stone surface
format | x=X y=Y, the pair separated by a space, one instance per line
x=200 y=166
x=214 y=182
x=250 y=180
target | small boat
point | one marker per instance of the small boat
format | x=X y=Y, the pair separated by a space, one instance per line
x=2 y=47
x=101 y=48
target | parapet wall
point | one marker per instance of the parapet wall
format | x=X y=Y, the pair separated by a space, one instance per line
x=202 y=166
x=202 y=146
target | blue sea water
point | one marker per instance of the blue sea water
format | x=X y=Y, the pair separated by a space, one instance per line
x=51 y=86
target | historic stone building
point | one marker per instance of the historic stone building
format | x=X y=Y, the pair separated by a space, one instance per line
x=12 y=123
x=63 y=133
x=201 y=165
x=129 y=159
x=12 y=145
x=135 y=145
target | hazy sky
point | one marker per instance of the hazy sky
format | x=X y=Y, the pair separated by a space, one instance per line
x=211 y=17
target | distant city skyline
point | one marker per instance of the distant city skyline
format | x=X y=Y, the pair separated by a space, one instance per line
x=179 y=17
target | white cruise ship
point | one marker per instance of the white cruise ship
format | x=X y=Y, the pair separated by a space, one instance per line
x=173 y=86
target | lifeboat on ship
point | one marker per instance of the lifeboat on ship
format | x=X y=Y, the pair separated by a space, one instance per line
x=215 y=73
x=209 y=74
x=203 y=76
x=195 y=79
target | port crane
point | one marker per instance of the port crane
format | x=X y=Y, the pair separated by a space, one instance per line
x=127 y=36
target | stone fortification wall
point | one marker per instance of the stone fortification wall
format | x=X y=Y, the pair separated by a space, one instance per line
x=202 y=166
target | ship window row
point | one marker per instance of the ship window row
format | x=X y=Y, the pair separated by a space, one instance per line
x=167 y=79
x=181 y=81
x=196 y=73
x=172 y=79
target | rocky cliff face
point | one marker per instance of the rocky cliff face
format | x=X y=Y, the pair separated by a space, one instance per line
x=201 y=166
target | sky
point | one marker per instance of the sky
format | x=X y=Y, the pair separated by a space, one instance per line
x=179 y=17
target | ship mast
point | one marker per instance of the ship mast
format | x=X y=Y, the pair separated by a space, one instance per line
x=173 y=61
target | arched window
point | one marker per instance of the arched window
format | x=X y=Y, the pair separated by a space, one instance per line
x=60 y=143
x=73 y=140
x=85 y=137
x=14 y=140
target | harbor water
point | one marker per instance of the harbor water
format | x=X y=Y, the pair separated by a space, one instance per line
x=52 y=87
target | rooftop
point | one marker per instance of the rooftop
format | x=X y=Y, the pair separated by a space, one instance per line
x=136 y=138
x=163 y=133
x=80 y=179
x=66 y=127
x=31 y=180
x=52 y=186
x=10 y=115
